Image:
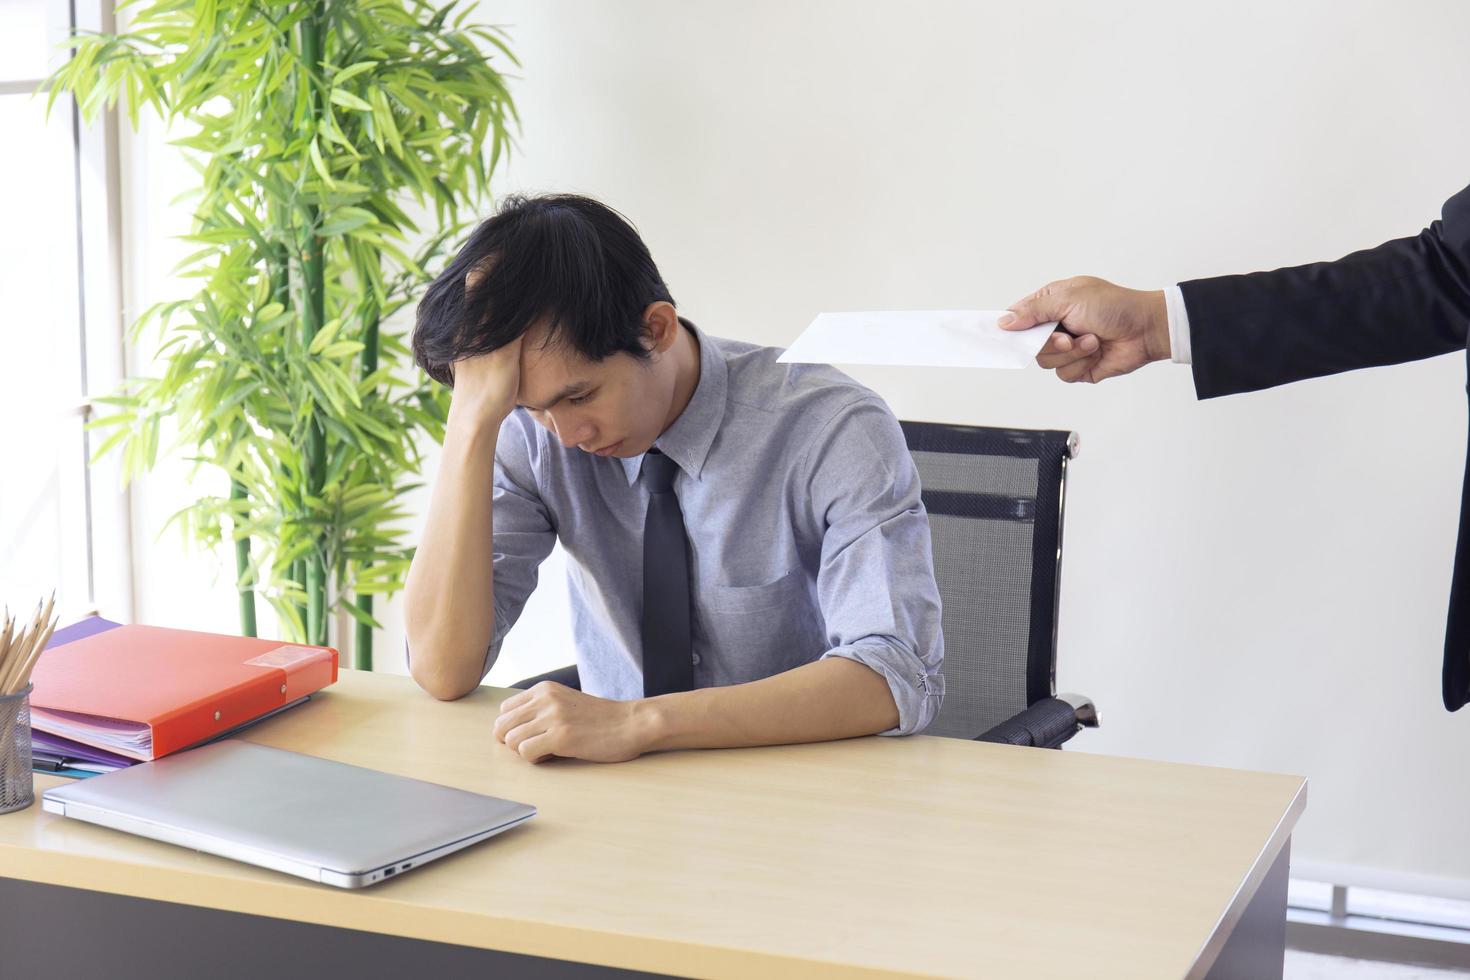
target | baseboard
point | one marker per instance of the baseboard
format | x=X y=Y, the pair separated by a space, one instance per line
x=1366 y=938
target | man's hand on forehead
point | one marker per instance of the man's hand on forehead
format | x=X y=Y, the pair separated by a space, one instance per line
x=486 y=387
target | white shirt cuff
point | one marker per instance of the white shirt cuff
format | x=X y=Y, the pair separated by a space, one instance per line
x=1178 y=324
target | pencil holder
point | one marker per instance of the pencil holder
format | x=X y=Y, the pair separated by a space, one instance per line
x=17 y=790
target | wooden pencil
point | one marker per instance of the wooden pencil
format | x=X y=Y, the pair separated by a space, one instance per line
x=15 y=650
x=23 y=676
x=5 y=643
x=23 y=654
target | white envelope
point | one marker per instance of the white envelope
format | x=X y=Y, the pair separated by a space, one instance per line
x=917 y=338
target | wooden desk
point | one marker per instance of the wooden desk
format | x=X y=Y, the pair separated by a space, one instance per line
x=871 y=857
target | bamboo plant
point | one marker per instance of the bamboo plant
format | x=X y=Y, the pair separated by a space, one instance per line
x=314 y=125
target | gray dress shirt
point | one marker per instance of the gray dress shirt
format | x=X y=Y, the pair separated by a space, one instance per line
x=807 y=536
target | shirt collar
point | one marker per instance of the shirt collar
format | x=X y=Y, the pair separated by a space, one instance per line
x=688 y=440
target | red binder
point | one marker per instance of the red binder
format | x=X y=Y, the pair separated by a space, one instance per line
x=145 y=691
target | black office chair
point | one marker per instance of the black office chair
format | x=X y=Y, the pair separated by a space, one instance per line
x=996 y=501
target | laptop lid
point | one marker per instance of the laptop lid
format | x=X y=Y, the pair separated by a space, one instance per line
x=327 y=821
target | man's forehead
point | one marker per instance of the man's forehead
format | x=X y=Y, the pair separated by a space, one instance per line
x=547 y=370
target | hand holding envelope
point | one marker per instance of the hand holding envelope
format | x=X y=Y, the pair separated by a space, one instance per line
x=918 y=338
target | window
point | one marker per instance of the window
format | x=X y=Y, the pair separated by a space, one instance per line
x=43 y=514
x=48 y=344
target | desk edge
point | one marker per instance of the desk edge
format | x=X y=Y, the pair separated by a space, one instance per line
x=1246 y=890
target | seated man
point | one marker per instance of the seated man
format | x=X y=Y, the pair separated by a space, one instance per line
x=750 y=560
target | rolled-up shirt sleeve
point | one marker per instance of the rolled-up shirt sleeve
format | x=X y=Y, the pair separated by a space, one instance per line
x=524 y=532
x=876 y=584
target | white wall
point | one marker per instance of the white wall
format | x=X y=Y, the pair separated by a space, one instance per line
x=1256 y=582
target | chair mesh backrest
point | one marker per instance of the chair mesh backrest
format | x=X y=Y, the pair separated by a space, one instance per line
x=994 y=498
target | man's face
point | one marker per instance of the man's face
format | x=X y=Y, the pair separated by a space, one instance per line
x=615 y=407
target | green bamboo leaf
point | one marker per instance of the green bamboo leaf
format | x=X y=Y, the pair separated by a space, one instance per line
x=125 y=400
x=352 y=71
x=360 y=616
x=325 y=335
x=324 y=389
x=320 y=165
x=286 y=610
x=377 y=588
x=345 y=220
x=106 y=422
x=341 y=349
x=235 y=398
x=109 y=444
x=342 y=384
x=347 y=100
x=373 y=427
x=334 y=134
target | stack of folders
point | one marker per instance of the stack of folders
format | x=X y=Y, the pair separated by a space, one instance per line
x=108 y=696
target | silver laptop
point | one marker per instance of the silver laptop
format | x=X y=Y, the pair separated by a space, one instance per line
x=326 y=821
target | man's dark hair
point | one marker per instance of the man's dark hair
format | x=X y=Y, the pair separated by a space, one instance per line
x=563 y=259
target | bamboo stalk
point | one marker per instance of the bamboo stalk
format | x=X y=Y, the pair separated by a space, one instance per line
x=313 y=313
x=242 y=569
x=362 y=645
x=278 y=264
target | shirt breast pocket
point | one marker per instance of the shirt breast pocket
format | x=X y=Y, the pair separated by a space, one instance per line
x=754 y=631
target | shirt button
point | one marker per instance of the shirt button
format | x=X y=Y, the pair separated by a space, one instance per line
x=696 y=658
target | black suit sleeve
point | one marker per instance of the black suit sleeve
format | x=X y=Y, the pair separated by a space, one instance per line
x=1402 y=301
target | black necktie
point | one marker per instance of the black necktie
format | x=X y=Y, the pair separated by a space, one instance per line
x=667 y=653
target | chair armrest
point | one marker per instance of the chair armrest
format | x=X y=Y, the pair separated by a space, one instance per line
x=562 y=675
x=1047 y=723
